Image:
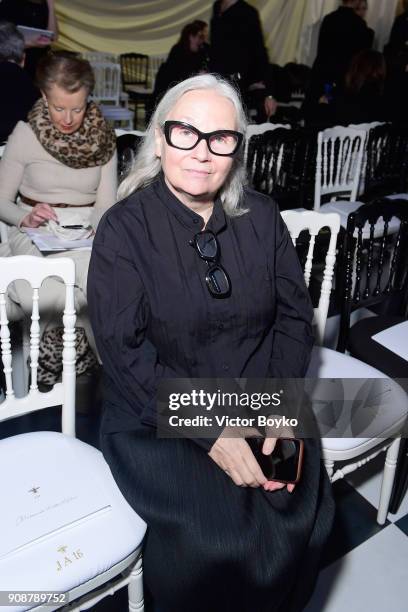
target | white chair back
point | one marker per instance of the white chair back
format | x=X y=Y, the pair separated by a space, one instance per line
x=313 y=222
x=108 y=83
x=35 y=270
x=338 y=163
x=97 y=57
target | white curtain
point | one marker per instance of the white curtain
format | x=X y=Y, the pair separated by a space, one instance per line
x=153 y=26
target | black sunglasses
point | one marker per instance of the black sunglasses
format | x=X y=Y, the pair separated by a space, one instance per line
x=217 y=279
x=184 y=136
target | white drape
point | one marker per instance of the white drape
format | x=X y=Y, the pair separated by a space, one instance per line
x=153 y=26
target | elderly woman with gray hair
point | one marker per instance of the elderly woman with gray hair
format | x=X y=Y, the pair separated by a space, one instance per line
x=193 y=275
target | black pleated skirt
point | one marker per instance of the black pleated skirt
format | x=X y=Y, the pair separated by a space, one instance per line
x=212 y=546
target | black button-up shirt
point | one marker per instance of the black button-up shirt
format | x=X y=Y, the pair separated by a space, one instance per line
x=152 y=313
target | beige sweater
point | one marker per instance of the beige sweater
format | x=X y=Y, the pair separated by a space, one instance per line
x=26 y=167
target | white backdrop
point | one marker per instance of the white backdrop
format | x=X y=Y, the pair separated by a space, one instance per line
x=153 y=26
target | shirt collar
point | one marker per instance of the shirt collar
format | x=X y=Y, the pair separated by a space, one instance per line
x=185 y=215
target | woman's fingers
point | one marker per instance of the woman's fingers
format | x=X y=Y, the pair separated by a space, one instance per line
x=41 y=213
x=272 y=485
x=268 y=446
x=46 y=211
x=234 y=456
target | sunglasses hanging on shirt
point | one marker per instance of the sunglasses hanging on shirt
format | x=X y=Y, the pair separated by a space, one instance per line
x=216 y=278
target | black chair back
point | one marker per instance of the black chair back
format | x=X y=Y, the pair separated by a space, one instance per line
x=374 y=261
x=386 y=161
x=135 y=69
x=127 y=146
x=280 y=163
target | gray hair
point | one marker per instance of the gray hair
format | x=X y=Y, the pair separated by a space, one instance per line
x=11 y=43
x=147 y=165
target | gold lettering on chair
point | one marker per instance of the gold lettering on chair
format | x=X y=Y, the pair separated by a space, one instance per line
x=68 y=558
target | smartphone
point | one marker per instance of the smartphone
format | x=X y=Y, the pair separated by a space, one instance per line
x=284 y=464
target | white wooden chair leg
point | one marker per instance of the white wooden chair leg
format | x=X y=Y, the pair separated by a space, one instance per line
x=329 y=465
x=135 y=588
x=388 y=480
x=26 y=354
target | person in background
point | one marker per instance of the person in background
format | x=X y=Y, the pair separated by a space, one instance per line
x=34 y=14
x=188 y=57
x=18 y=93
x=237 y=49
x=343 y=33
x=396 y=54
x=362 y=99
x=361 y=10
x=399 y=33
x=58 y=169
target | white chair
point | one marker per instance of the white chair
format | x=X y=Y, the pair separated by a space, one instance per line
x=314 y=222
x=338 y=164
x=383 y=433
x=64 y=524
x=108 y=87
x=97 y=57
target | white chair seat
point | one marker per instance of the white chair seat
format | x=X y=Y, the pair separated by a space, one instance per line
x=117 y=112
x=76 y=541
x=328 y=364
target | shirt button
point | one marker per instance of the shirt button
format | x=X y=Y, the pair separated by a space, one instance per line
x=220 y=325
x=225 y=367
x=195 y=221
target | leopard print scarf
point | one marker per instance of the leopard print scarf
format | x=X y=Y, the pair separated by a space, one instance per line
x=92 y=145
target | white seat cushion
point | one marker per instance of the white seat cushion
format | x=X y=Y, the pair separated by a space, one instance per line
x=350 y=410
x=66 y=498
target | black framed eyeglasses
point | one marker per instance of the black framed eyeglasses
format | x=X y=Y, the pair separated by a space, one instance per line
x=217 y=279
x=184 y=136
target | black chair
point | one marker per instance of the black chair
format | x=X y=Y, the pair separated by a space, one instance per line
x=127 y=146
x=386 y=162
x=280 y=163
x=135 y=79
x=374 y=273
x=381 y=279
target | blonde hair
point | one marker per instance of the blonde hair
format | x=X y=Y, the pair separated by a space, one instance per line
x=147 y=165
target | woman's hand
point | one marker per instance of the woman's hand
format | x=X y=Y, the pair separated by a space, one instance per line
x=40 y=214
x=40 y=41
x=234 y=456
x=270 y=106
